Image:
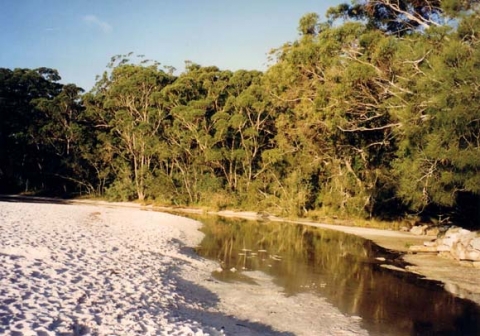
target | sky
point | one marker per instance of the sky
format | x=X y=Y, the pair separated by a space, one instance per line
x=79 y=37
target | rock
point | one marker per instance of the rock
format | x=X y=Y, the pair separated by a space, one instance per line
x=460 y=243
x=419 y=230
x=473 y=255
x=475 y=243
x=476 y=264
x=467 y=237
x=443 y=248
x=432 y=231
x=446 y=241
x=456 y=232
x=461 y=251
x=458 y=251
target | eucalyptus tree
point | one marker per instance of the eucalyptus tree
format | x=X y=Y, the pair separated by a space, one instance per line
x=302 y=139
x=127 y=103
x=244 y=128
x=438 y=161
x=366 y=118
x=192 y=100
x=335 y=89
x=433 y=99
x=373 y=113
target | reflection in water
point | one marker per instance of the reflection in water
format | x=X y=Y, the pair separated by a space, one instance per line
x=343 y=268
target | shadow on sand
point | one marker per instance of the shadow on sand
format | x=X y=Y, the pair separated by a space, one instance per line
x=33 y=199
x=197 y=296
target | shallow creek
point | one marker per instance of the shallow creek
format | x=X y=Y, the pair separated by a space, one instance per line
x=352 y=273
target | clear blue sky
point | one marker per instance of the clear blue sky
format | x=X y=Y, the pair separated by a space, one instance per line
x=78 y=37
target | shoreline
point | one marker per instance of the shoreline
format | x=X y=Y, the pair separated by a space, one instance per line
x=458 y=278
x=207 y=305
x=87 y=269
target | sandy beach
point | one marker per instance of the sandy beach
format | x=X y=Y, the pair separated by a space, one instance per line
x=70 y=269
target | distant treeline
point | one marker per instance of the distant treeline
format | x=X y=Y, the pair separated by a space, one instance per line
x=374 y=112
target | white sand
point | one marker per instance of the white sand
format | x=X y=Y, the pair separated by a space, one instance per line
x=96 y=270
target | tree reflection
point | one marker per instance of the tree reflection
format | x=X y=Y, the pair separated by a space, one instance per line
x=344 y=269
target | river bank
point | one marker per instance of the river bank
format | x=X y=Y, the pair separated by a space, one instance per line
x=459 y=278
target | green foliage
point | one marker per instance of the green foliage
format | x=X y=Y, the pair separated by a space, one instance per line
x=42 y=134
x=438 y=155
x=401 y=17
x=127 y=103
x=122 y=189
x=308 y=24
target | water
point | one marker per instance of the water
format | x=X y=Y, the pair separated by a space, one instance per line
x=347 y=270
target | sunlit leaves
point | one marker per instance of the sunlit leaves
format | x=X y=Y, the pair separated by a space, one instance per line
x=127 y=102
x=440 y=148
